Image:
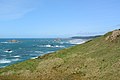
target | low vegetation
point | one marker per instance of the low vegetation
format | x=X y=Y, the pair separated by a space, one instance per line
x=97 y=59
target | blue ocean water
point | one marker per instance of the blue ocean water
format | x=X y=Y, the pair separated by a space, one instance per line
x=24 y=49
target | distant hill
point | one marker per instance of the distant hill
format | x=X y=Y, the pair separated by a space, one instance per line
x=97 y=59
x=85 y=37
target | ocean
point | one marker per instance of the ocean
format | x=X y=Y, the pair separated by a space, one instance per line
x=24 y=49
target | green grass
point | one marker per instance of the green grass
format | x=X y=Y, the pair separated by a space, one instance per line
x=96 y=59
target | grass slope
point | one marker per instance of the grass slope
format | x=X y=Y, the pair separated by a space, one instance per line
x=98 y=59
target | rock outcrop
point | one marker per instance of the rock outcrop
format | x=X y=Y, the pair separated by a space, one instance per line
x=13 y=41
x=113 y=37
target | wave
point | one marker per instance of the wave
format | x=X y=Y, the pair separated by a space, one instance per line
x=4 y=42
x=64 y=42
x=52 y=46
x=59 y=46
x=34 y=57
x=2 y=61
x=8 y=51
x=16 y=56
x=39 y=52
x=17 y=59
x=6 y=61
x=77 y=41
x=50 y=51
x=48 y=45
x=8 y=42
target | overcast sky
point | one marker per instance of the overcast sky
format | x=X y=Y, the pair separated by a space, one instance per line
x=57 y=18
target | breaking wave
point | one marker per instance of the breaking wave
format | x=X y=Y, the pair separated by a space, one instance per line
x=77 y=41
x=5 y=61
x=52 y=46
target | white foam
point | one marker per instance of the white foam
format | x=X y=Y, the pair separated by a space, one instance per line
x=15 y=59
x=45 y=46
x=39 y=52
x=34 y=57
x=2 y=61
x=8 y=42
x=64 y=42
x=57 y=46
x=4 y=42
x=16 y=56
x=50 y=51
x=48 y=45
x=8 y=51
x=77 y=41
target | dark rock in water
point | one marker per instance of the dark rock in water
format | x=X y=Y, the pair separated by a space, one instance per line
x=9 y=50
x=52 y=45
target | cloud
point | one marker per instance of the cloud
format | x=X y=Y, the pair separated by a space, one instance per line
x=14 y=9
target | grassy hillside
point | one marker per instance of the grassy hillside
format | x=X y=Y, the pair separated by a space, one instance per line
x=97 y=59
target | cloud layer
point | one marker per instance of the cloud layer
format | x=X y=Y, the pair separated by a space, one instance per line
x=14 y=9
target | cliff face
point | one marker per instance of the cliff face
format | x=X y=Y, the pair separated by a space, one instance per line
x=97 y=59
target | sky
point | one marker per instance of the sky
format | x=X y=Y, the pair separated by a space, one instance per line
x=57 y=18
